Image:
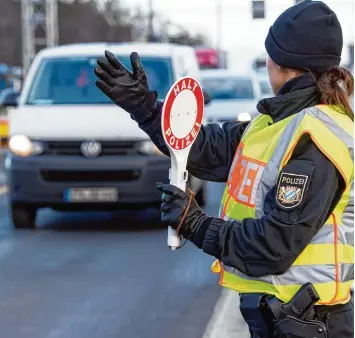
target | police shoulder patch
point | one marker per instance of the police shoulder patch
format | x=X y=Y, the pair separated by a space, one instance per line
x=290 y=190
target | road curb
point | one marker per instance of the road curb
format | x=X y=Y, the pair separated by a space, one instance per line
x=226 y=320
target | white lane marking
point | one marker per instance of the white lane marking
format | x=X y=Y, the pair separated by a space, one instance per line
x=3 y=189
x=3 y=179
x=5 y=248
x=226 y=320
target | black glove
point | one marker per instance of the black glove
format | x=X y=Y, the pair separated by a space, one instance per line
x=128 y=90
x=180 y=210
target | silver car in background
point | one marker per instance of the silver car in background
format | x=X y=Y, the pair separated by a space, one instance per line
x=234 y=95
x=265 y=88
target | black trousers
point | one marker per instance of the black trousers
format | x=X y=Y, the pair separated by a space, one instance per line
x=339 y=320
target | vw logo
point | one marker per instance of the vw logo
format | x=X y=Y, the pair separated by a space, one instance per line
x=90 y=148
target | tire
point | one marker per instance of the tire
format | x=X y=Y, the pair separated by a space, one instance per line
x=23 y=216
x=200 y=196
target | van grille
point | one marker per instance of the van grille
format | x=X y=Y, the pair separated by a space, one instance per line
x=107 y=148
x=90 y=175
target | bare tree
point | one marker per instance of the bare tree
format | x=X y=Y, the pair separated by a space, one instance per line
x=78 y=21
x=10 y=32
x=185 y=38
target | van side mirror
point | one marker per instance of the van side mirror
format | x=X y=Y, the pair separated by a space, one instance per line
x=207 y=98
x=9 y=99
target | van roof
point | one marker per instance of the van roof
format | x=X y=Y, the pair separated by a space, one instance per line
x=126 y=48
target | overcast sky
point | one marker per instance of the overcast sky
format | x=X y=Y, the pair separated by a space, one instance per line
x=241 y=35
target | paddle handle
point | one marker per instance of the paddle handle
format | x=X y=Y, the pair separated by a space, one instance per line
x=178 y=176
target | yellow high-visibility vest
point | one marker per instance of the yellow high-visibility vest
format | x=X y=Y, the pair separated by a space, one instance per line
x=328 y=260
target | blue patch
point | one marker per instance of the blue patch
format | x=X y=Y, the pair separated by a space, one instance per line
x=289 y=195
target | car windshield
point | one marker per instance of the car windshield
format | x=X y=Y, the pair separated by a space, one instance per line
x=229 y=88
x=265 y=87
x=71 y=80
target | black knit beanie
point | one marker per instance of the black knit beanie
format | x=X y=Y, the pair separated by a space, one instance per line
x=306 y=36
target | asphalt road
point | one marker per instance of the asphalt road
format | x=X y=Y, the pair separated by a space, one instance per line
x=100 y=275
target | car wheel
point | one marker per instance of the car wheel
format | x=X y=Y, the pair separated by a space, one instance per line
x=23 y=216
x=200 y=196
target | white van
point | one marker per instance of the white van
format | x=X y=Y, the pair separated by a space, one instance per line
x=71 y=148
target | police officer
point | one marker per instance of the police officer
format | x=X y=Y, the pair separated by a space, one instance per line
x=284 y=236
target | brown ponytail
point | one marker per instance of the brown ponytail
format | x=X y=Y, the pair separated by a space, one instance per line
x=336 y=86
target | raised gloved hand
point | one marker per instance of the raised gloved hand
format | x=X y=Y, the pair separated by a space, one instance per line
x=129 y=90
x=180 y=210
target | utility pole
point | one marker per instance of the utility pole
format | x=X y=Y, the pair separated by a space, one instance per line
x=150 y=21
x=219 y=24
x=37 y=14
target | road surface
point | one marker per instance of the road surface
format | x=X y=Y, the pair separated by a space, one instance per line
x=102 y=275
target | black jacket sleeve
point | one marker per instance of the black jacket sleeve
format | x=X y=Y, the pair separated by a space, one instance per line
x=212 y=153
x=270 y=245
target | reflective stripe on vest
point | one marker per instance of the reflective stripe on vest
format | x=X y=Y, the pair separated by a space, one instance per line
x=328 y=260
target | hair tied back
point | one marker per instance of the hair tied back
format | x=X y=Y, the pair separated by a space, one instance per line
x=336 y=86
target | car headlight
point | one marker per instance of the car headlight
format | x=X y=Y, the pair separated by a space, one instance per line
x=21 y=145
x=242 y=117
x=149 y=148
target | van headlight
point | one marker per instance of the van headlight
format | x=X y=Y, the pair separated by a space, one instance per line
x=21 y=145
x=149 y=148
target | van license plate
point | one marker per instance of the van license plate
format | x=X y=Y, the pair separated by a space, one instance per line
x=91 y=195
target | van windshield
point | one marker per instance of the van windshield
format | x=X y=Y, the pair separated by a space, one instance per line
x=71 y=80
